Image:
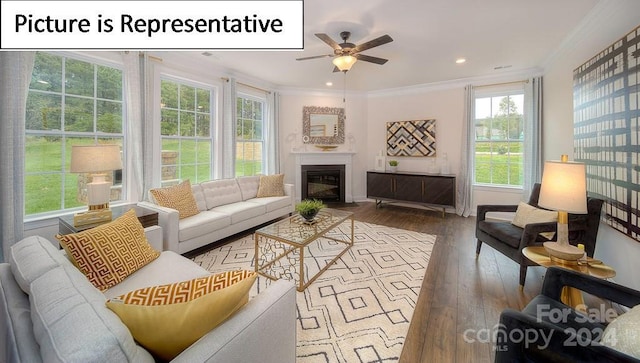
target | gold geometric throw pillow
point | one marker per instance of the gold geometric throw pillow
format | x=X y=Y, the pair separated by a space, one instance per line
x=271 y=186
x=167 y=319
x=107 y=254
x=178 y=197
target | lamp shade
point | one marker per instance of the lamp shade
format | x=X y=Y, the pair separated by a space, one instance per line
x=564 y=187
x=95 y=158
x=345 y=62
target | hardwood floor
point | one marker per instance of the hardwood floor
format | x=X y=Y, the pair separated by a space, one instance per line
x=459 y=293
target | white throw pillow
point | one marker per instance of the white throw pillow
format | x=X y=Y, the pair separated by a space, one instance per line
x=623 y=333
x=527 y=214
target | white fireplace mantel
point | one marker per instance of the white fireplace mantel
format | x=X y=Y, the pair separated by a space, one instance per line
x=325 y=158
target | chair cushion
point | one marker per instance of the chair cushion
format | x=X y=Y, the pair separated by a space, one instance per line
x=623 y=333
x=178 y=197
x=526 y=214
x=167 y=319
x=107 y=254
x=271 y=186
x=503 y=231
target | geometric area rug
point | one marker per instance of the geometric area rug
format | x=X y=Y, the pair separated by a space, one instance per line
x=360 y=308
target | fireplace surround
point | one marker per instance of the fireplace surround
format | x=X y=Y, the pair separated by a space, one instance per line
x=325 y=158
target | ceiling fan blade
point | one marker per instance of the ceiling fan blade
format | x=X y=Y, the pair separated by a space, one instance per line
x=373 y=43
x=368 y=58
x=327 y=39
x=336 y=69
x=315 y=57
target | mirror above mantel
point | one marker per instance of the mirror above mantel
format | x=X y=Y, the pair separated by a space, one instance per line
x=322 y=125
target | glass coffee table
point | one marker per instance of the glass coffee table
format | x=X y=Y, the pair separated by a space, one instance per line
x=297 y=250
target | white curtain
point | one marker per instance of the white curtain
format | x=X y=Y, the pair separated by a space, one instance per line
x=15 y=72
x=272 y=129
x=134 y=96
x=229 y=96
x=465 y=176
x=533 y=131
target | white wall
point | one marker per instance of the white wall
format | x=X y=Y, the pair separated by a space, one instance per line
x=610 y=21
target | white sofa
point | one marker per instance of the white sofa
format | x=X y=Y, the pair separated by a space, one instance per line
x=227 y=207
x=50 y=312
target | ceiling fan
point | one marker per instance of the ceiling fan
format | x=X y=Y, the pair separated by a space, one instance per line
x=345 y=54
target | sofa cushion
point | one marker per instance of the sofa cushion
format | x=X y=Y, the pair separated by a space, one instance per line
x=198 y=195
x=249 y=186
x=221 y=192
x=72 y=324
x=241 y=211
x=202 y=224
x=168 y=268
x=623 y=333
x=167 y=319
x=271 y=186
x=272 y=203
x=31 y=258
x=178 y=197
x=107 y=254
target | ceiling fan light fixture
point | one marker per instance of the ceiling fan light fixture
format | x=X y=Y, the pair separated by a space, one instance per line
x=345 y=62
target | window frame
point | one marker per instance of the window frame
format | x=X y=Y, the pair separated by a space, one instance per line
x=244 y=95
x=213 y=130
x=499 y=92
x=65 y=136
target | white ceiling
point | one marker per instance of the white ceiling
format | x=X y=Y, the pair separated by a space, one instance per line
x=429 y=35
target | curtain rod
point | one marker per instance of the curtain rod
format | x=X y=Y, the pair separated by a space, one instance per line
x=151 y=57
x=247 y=85
x=502 y=84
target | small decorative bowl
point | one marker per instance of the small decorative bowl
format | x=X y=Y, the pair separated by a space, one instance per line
x=327 y=147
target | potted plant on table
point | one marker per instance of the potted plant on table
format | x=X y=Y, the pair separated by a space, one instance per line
x=393 y=165
x=309 y=208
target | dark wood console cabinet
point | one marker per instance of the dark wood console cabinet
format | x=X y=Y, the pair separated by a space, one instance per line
x=432 y=190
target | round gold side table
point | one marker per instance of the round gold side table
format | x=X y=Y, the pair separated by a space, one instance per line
x=570 y=296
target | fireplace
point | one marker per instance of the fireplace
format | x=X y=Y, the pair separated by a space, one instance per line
x=324 y=182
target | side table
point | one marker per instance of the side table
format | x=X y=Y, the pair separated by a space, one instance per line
x=570 y=296
x=146 y=217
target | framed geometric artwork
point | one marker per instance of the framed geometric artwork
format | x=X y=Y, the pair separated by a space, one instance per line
x=411 y=138
x=606 y=102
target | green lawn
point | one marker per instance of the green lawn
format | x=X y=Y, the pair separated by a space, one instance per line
x=45 y=171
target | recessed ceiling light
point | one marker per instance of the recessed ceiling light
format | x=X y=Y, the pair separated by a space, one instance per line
x=460 y=60
x=329 y=84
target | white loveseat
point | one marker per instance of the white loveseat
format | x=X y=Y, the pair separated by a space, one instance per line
x=50 y=312
x=227 y=207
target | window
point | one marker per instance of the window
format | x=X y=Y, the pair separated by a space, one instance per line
x=499 y=135
x=70 y=102
x=250 y=135
x=185 y=129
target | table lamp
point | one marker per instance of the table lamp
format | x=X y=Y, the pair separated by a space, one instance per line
x=564 y=189
x=95 y=160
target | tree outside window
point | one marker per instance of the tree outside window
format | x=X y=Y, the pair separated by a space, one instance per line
x=499 y=135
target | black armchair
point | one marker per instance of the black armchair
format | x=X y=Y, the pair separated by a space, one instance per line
x=555 y=332
x=509 y=239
